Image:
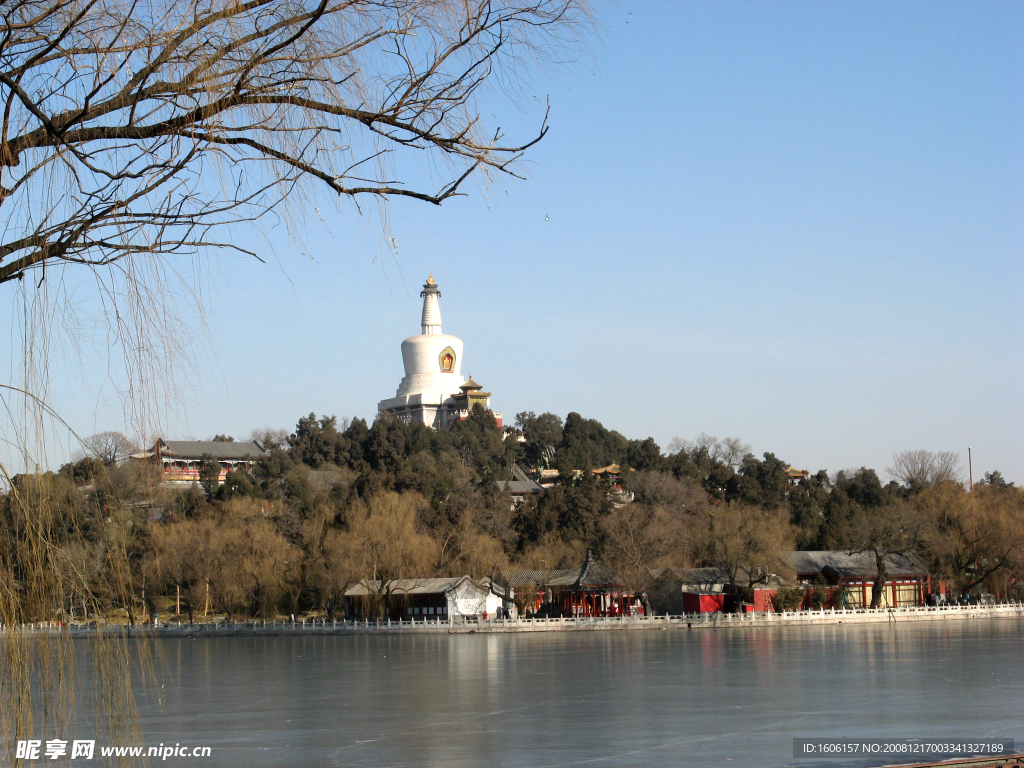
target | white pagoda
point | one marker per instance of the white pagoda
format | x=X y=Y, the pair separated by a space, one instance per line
x=433 y=391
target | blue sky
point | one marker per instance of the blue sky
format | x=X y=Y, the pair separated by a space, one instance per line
x=797 y=223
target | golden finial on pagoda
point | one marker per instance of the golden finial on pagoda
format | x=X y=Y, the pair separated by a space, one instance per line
x=430 y=279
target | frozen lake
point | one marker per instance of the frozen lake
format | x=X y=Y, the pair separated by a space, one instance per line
x=647 y=698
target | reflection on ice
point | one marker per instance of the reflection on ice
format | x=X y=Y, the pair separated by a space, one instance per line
x=666 y=698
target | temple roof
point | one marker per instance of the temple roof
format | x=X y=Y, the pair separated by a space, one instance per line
x=853 y=564
x=216 y=449
x=590 y=574
x=519 y=486
x=426 y=586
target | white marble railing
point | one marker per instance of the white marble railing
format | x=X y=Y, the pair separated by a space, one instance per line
x=822 y=616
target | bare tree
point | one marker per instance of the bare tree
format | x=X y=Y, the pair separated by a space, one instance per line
x=744 y=543
x=384 y=544
x=137 y=137
x=268 y=437
x=640 y=538
x=708 y=448
x=184 y=557
x=110 y=447
x=138 y=134
x=946 y=467
x=733 y=450
x=919 y=469
x=972 y=536
x=892 y=529
x=251 y=567
x=661 y=490
x=116 y=112
x=707 y=444
x=652 y=531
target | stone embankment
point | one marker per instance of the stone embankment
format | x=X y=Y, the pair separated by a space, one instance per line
x=692 y=621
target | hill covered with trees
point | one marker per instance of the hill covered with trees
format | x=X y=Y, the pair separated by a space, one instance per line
x=331 y=504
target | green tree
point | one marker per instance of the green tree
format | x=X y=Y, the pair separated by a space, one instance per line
x=238 y=482
x=209 y=475
x=542 y=434
x=482 y=446
x=807 y=503
x=644 y=454
x=763 y=482
x=996 y=480
x=572 y=511
x=83 y=471
x=317 y=442
x=586 y=444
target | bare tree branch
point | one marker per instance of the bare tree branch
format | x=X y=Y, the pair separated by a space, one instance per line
x=115 y=111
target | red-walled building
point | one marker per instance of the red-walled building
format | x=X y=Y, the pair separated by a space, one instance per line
x=704 y=590
x=589 y=590
x=849 y=577
x=180 y=461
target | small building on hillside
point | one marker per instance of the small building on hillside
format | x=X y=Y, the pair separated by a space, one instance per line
x=180 y=461
x=518 y=490
x=588 y=590
x=796 y=475
x=848 y=577
x=610 y=476
x=435 y=598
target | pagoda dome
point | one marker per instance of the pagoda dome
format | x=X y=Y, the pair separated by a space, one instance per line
x=433 y=391
x=432 y=359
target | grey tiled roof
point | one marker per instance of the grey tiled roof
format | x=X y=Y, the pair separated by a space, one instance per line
x=700 y=576
x=432 y=586
x=536 y=577
x=218 y=450
x=519 y=486
x=702 y=580
x=590 y=574
x=854 y=565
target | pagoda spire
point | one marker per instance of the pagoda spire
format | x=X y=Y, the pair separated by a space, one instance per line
x=431 y=321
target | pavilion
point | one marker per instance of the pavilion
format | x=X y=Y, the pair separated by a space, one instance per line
x=588 y=590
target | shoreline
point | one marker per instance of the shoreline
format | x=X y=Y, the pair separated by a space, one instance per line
x=570 y=624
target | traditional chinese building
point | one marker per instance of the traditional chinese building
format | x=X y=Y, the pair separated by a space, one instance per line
x=433 y=391
x=429 y=598
x=707 y=590
x=850 y=576
x=180 y=461
x=676 y=591
x=589 y=590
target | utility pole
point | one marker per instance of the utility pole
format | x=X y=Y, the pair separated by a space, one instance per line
x=974 y=526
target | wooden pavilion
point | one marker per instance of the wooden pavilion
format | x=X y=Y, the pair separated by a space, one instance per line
x=588 y=590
